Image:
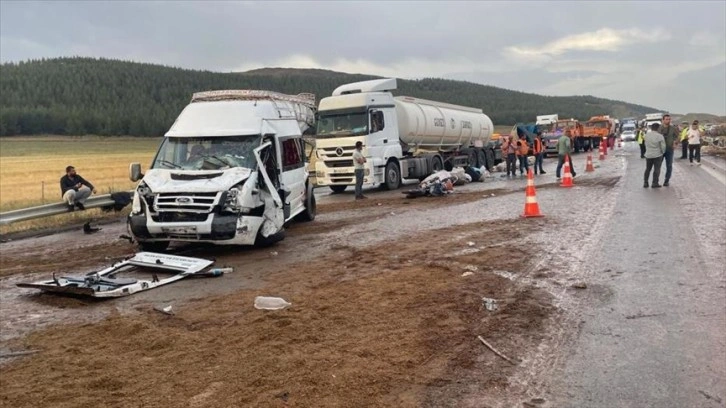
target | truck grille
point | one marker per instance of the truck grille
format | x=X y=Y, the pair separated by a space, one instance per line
x=185 y=202
x=336 y=152
x=339 y=163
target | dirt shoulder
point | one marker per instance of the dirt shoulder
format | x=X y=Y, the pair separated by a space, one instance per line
x=392 y=325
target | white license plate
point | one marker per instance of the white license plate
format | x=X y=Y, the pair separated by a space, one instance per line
x=179 y=230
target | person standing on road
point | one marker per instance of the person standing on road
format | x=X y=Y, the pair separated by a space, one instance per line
x=641 y=143
x=522 y=152
x=694 y=143
x=655 y=148
x=670 y=134
x=684 y=140
x=75 y=189
x=564 y=150
x=359 y=162
x=538 y=154
x=510 y=150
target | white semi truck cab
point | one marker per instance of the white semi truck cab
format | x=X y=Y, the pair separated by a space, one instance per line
x=231 y=170
x=403 y=137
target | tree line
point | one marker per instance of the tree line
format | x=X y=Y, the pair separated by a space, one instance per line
x=79 y=96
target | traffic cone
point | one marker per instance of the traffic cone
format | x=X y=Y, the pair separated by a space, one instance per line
x=531 y=207
x=605 y=144
x=602 y=151
x=567 y=178
x=589 y=167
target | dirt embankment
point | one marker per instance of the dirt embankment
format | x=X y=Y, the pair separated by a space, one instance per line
x=391 y=325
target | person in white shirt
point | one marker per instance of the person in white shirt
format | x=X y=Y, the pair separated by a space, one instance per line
x=359 y=162
x=694 y=143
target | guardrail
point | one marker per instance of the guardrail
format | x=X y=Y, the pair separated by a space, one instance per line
x=47 y=210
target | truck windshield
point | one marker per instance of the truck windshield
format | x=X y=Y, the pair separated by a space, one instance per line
x=600 y=125
x=342 y=124
x=207 y=153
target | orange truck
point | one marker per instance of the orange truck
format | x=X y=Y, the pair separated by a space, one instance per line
x=576 y=130
x=596 y=128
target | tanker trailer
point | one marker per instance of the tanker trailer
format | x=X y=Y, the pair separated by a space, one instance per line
x=403 y=137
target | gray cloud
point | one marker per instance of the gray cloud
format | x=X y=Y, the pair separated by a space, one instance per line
x=652 y=53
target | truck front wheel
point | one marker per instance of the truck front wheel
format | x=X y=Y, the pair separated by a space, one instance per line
x=338 y=189
x=393 y=176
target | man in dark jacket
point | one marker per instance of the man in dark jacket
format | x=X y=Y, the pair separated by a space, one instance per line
x=75 y=189
x=670 y=133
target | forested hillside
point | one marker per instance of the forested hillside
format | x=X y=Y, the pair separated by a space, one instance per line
x=78 y=96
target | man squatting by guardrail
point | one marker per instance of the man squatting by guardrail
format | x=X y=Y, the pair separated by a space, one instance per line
x=75 y=189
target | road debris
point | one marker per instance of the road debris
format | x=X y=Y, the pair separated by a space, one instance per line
x=641 y=315
x=580 y=285
x=465 y=274
x=165 y=309
x=126 y=277
x=490 y=304
x=270 y=303
x=497 y=352
x=12 y=354
x=710 y=397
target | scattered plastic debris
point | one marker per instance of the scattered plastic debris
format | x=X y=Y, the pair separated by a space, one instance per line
x=273 y=253
x=490 y=304
x=580 y=285
x=270 y=303
x=465 y=274
x=471 y=244
x=165 y=309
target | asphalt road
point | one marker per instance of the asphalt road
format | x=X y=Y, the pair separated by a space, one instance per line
x=653 y=328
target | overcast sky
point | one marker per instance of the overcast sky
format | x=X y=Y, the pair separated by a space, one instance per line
x=665 y=54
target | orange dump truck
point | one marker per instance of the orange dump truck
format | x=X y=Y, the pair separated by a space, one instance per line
x=577 y=131
x=598 y=127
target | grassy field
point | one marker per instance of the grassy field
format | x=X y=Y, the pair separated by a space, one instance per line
x=31 y=168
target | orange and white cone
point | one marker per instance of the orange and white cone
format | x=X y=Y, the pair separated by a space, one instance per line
x=589 y=167
x=531 y=207
x=567 y=178
x=605 y=144
x=602 y=151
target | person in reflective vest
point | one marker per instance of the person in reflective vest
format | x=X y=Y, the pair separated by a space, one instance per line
x=684 y=140
x=538 y=154
x=641 y=142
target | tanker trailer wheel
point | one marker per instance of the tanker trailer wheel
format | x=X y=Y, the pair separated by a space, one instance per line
x=481 y=158
x=393 y=175
x=338 y=189
x=436 y=164
x=471 y=156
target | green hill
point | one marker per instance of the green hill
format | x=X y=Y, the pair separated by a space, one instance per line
x=77 y=96
x=703 y=118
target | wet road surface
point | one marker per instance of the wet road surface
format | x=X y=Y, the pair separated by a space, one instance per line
x=653 y=329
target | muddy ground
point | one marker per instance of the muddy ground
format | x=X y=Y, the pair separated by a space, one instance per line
x=381 y=315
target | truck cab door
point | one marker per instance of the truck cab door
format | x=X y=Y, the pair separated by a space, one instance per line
x=383 y=140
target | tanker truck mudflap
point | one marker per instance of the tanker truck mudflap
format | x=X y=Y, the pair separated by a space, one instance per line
x=274 y=217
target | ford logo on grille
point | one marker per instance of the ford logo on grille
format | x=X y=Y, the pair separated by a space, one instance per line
x=184 y=200
x=339 y=151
